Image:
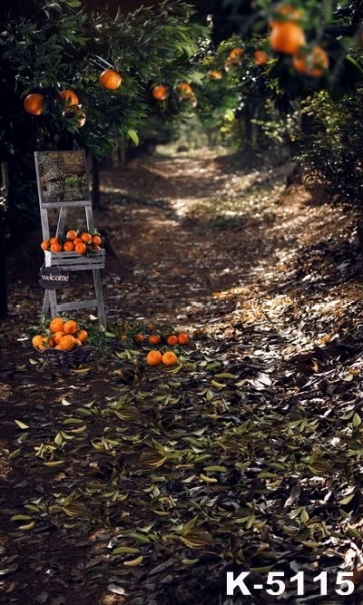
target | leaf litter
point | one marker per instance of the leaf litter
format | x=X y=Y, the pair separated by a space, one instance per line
x=147 y=485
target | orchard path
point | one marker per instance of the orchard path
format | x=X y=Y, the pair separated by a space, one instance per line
x=247 y=456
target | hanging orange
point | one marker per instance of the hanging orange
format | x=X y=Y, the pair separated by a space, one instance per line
x=34 y=103
x=160 y=92
x=287 y=37
x=110 y=79
x=68 y=98
x=313 y=63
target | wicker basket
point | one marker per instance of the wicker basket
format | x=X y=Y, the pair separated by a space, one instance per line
x=58 y=358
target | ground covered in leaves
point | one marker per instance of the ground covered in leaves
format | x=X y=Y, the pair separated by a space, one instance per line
x=124 y=484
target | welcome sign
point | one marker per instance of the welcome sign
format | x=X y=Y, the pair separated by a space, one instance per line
x=52 y=278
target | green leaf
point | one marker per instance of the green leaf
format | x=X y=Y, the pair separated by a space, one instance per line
x=133 y=136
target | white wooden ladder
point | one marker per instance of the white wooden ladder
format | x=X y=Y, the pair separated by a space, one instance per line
x=62 y=184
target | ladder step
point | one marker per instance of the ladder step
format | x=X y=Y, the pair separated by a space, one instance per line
x=81 y=304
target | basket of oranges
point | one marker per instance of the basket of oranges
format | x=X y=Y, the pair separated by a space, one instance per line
x=63 y=343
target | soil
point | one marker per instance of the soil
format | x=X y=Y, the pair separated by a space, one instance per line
x=214 y=245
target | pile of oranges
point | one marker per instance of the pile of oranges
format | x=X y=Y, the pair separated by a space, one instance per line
x=61 y=334
x=74 y=241
x=157 y=339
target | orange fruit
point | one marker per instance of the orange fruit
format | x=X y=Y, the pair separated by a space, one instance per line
x=139 y=337
x=160 y=92
x=235 y=56
x=86 y=238
x=169 y=358
x=45 y=244
x=214 y=74
x=110 y=79
x=37 y=340
x=260 y=57
x=96 y=240
x=172 y=340
x=77 y=342
x=71 y=327
x=183 y=338
x=71 y=234
x=153 y=358
x=54 y=240
x=56 y=247
x=82 y=335
x=154 y=339
x=313 y=63
x=185 y=90
x=123 y=337
x=286 y=37
x=57 y=336
x=151 y=326
x=68 y=98
x=68 y=246
x=56 y=324
x=34 y=103
x=67 y=342
x=81 y=248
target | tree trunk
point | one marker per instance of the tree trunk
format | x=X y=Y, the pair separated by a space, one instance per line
x=3 y=264
x=96 y=198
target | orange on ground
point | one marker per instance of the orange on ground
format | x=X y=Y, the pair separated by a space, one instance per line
x=183 y=338
x=67 y=342
x=160 y=92
x=313 y=63
x=172 y=340
x=71 y=234
x=139 y=337
x=153 y=358
x=71 y=327
x=45 y=244
x=86 y=237
x=68 y=98
x=56 y=324
x=169 y=358
x=286 y=37
x=34 y=103
x=260 y=57
x=154 y=339
x=80 y=248
x=68 y=246
x=56 y=247
x=110 y=79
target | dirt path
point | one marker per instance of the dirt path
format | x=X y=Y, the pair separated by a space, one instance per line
x=113 y=461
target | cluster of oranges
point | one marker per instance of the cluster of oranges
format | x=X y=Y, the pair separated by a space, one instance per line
x=62 y=334
x=160 y=92
x=74 y=241
x=288 y=37
x=152 y=335
x=35 y=103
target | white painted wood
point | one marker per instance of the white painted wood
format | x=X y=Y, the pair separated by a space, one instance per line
x=69 y=261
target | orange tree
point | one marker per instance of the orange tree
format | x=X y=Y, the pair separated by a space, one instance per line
x=48 y=47
x=57 y=46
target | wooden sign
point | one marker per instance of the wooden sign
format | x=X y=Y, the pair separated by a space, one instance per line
x=52 y=278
